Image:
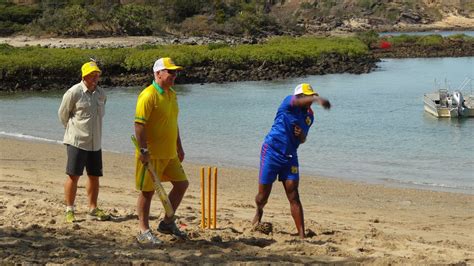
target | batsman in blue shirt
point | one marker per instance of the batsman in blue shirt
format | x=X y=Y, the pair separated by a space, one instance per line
x=278 y=156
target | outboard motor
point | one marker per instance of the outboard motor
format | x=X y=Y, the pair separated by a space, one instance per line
x=457 y=97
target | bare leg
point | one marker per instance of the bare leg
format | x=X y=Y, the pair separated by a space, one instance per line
x=261 y=199
x=143 y=209
x=176 y=195
x=291 y=189
x=92 y=187
x=70 y=189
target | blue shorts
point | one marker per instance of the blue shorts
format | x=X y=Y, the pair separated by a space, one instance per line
x=273 y=163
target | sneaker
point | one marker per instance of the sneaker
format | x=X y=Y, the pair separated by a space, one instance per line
x=98 y=214
x=70 y=218
x=148 y=238
x=171 y=229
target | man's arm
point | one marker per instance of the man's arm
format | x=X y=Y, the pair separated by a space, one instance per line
x=141 y=139
x=66 y=108
x=180 y=148
x=304 y=101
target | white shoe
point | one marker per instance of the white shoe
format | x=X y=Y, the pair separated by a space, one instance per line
x=148 y=238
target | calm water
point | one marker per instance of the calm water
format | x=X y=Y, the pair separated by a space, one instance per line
x=376 y=132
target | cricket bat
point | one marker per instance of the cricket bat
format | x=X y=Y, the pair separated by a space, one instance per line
x=157 y=183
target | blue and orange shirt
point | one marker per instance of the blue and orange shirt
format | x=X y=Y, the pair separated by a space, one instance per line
x=281 y=136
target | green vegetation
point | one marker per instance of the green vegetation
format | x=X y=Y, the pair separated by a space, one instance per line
x=372 y=39
x=368 y=37
x=71 y=20
x=50 y=61
x=430 y=40
x=402 y=39
x=86 y=17
x=16 y=63
x=426 y=40
x=462 y=36
x=204 y=17
x=53 y=60
x=14 y=18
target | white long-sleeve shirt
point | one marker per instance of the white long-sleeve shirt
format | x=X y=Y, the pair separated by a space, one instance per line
x=81 y=113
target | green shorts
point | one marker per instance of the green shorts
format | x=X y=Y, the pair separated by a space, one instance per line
x=165 y=169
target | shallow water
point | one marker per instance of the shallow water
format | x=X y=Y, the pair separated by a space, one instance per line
x=376 y=132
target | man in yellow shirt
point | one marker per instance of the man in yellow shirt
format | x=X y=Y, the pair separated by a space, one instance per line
x=157 y=133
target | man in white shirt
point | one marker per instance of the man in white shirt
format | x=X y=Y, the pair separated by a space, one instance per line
x=81 y=112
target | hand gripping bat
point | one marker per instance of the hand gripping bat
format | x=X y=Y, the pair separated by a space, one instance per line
x=158 y=187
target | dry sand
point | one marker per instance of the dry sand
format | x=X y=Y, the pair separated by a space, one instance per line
x=347 y=222
x=123 y=41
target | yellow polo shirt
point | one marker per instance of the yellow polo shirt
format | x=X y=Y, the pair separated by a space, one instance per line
x=158 y=111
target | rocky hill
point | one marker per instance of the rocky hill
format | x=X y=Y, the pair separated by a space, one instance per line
x=251 y=18
x=383 y=15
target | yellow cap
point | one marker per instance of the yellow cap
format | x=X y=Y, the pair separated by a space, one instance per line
x=165 y=63
x=305 y=89
x=89 y=67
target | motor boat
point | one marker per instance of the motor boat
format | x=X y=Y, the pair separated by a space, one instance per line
x=443 y=103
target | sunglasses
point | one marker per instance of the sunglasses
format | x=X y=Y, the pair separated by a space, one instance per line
x=171 y=72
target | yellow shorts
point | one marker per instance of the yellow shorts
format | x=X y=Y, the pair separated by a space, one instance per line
x=165 y=169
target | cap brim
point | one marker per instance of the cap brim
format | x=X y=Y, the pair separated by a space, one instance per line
x=174 y=68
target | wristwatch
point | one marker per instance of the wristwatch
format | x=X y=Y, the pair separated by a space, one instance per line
x=143 y=151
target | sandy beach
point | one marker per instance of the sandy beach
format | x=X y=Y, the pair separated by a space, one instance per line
x=347 y=222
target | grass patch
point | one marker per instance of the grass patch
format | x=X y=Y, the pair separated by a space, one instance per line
x=280 y=50
x=423 y=40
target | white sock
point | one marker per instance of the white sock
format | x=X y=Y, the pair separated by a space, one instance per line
x=70 y=208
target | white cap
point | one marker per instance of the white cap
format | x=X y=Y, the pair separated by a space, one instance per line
x=165 y=63
x=306 y=89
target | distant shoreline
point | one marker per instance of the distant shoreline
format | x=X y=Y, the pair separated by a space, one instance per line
x=91 y=42
x=335 y=61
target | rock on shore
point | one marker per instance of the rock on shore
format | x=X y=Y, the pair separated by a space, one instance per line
x=212 y=72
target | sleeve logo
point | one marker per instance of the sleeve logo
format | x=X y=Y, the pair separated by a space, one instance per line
x=294 y=169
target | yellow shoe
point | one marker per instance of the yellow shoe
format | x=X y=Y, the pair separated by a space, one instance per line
x=70 y=218
x=99 y=215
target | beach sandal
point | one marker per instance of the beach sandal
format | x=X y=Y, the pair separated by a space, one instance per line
x=148 y=238
x=98 y=214
x=171 y=229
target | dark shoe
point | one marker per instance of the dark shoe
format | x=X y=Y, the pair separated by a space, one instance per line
x=171 y=229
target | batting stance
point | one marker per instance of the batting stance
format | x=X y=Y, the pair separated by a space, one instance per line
x=278 y=155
